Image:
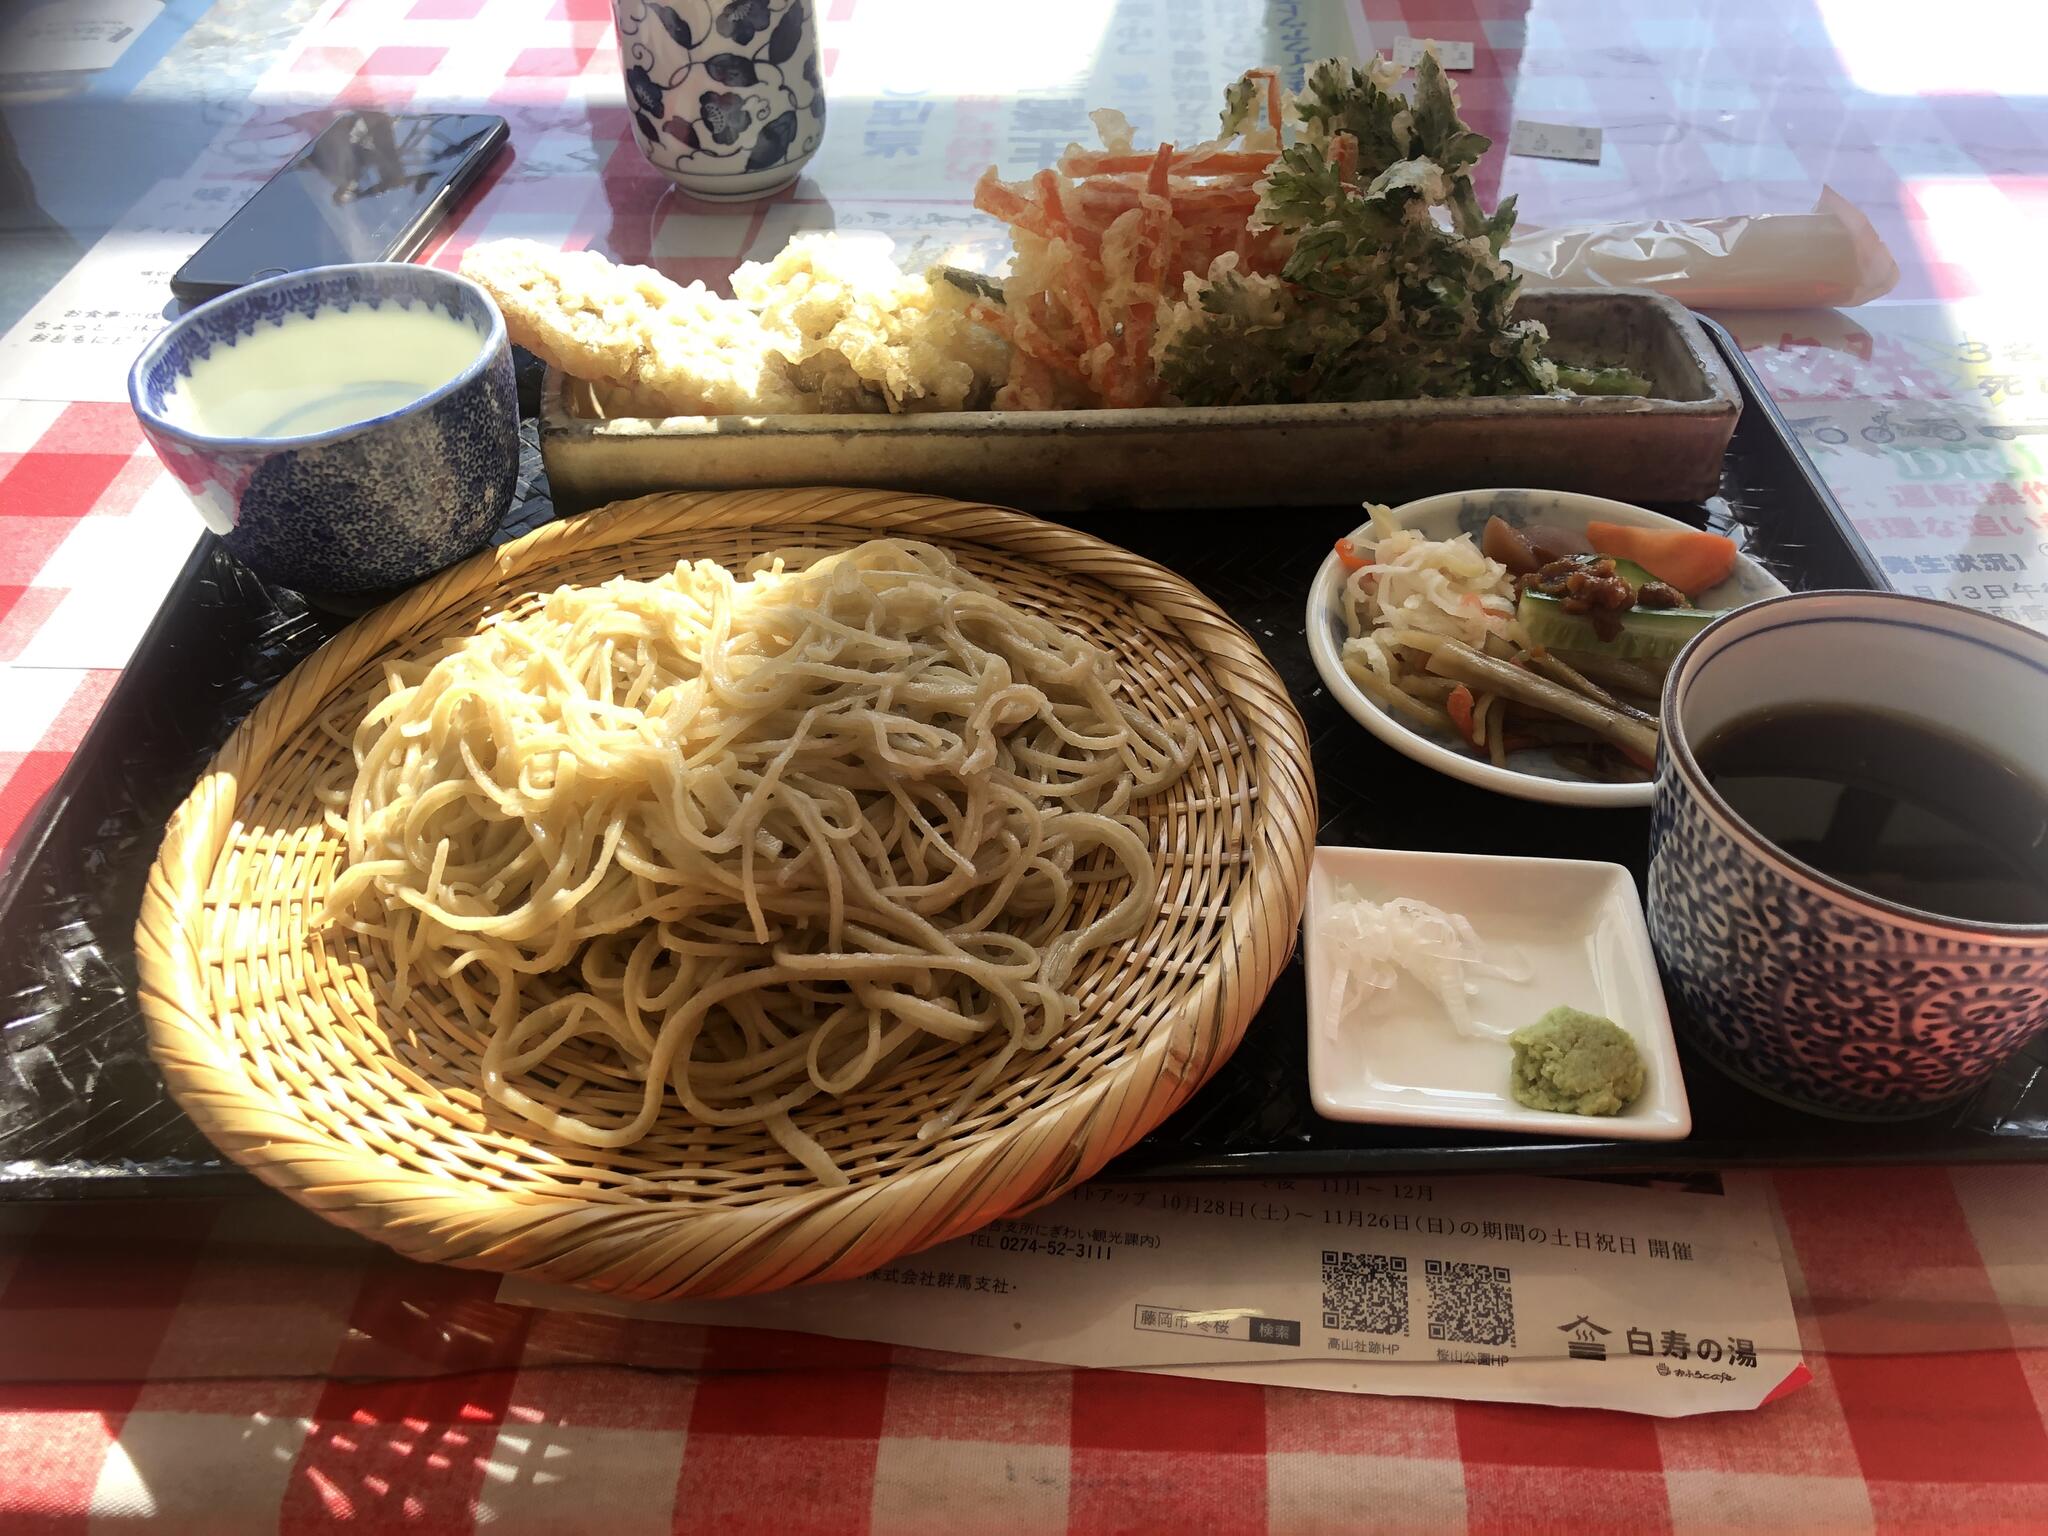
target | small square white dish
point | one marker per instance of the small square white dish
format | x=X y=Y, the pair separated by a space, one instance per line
x=1577 y=928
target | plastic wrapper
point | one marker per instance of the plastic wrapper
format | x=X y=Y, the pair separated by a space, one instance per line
x=1829 y=258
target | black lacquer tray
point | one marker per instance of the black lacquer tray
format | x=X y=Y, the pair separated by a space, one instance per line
x=83 y=1112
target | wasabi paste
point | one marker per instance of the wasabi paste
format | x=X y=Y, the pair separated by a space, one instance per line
x=1576 y=1064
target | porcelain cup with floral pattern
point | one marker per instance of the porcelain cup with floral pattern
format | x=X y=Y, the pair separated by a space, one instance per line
x=1806 y=989
x=346 y=429
x=727 y=96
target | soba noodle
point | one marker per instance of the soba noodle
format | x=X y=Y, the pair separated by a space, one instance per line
x=750 y=841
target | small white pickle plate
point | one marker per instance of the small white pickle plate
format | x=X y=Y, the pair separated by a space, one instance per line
x=1576 y=927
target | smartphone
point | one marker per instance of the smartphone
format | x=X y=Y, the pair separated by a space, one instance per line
x=371 y=187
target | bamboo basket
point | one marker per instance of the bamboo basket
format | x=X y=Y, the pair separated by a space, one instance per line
x=281 y=1041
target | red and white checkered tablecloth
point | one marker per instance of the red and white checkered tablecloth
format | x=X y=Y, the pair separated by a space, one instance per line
x=242 y=1368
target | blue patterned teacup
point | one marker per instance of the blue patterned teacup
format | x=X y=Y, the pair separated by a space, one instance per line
x=727 y=96
x=345 y=429
x=1806 y=989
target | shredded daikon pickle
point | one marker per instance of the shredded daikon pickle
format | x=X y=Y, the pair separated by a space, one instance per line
x=1439 y=586
x=1374 y=942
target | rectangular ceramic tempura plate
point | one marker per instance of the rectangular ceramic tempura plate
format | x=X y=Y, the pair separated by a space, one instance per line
x=1573 y=932
x=1667 y=447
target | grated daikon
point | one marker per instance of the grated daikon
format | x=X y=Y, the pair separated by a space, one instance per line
x=1375 y=942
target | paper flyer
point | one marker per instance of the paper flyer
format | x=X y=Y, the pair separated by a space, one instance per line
x=78 y=341
x=1658 y=1298
x=61 y=36
x=908 y=120
x=1929 y=423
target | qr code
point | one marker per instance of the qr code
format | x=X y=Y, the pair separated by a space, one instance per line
x=1470 y=1303
x=1365 y=1292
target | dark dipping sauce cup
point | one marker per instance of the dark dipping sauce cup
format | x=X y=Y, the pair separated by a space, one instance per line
x=1803 y=988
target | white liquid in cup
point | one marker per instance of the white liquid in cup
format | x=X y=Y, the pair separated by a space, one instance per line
x=313 y=373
